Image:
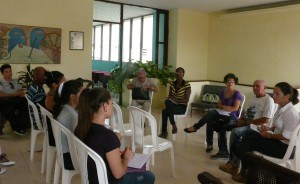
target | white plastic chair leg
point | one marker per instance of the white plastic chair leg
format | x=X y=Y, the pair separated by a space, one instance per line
x=50 y=157
x=32 y=146
x=44 y=154
x=66 y=176
x=56 y=173
x=172 y=161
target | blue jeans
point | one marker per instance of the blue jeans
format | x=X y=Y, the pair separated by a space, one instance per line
x=146 y=177
x=235 y=141
x=169 y=112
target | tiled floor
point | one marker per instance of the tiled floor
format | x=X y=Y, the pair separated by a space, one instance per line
x=190 y=158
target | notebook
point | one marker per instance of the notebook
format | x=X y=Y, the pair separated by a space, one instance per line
x=139 y=160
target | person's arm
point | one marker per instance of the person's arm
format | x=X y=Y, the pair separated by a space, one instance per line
x=269 y=135
x=7 y=95
x=117 y=165
x=130 y=86
x=235 y=107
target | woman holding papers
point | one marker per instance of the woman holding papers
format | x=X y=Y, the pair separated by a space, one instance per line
x=95 y=105
x=228 y=104
x=272 y=141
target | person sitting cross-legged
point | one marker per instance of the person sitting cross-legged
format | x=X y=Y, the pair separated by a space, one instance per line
x=229 y=102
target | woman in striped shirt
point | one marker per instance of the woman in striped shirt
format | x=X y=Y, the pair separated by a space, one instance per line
x=176 y=103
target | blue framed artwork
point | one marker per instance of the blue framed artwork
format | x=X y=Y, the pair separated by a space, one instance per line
x=29 y=44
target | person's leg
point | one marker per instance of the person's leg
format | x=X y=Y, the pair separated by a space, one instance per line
x=146 y=177
x=134 y=103
x=164 y=121
x=146 y=106
x=235 y=141
x=209 y=134
x=209 y=117
x=222 y=142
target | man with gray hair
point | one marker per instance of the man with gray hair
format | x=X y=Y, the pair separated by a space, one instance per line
x=141 y=86
x=260 y=111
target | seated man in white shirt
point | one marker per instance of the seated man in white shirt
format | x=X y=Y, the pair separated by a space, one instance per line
x=141 y=86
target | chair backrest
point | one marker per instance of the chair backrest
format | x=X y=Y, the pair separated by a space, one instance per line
x=262 y=171
x=292 y=143
x=83 y=151
x=35 y=117
x=151 y=100
x=58 y=131
x=116 y=120
x=45 y=114
x=138 y=119
x=241 y=105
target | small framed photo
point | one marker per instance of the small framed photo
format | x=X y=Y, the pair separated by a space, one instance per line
x=76 y=40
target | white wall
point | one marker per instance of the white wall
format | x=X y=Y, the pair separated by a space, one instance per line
x=262 y=44
x=188 y=42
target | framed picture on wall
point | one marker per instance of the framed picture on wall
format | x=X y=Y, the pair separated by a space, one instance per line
x=76 y=40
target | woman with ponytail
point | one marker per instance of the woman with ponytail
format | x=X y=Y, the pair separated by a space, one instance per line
x=95 y=105
x=66 y=100
x=272 y=141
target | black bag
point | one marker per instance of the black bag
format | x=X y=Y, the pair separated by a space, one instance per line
x=140 y=94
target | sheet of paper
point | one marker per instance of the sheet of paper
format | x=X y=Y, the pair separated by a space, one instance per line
x=138 y=160
x=222 y=112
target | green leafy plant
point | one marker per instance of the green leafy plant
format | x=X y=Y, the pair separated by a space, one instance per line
x=129 y=71
x=25 y=78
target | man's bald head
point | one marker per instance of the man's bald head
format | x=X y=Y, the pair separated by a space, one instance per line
x=259 y=87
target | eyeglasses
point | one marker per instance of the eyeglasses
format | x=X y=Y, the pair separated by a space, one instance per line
x=230 y=81
x=179 y=73
x=12 y=85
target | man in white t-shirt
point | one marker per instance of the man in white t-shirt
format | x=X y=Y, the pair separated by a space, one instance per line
x=260 y=111
x=141 y=86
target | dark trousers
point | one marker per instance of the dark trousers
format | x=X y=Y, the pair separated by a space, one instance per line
x=210 y=119
x=15 y=109
x=253 y=141
x=169 y=112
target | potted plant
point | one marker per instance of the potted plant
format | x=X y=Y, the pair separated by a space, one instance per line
x=25 y=78
x=129 y=70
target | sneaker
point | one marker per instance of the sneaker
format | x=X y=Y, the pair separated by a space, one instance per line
x=206 y=178
x=209 y=148
x=219 y=156
x=229 y=168
x=20 y=132
x=2 y=170
x=4 y=162
x=238 y=178
x=163 y=135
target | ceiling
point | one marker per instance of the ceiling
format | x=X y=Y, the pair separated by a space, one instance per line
x=205 y=6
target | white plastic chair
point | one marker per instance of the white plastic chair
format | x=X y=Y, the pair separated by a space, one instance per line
x=83 y=151
x=117 y=124
x=286 y=161
x=35 y=132
x=242 y=105
x=177 y=117
x=48 y=150
x=67 y=175
x=150 y=143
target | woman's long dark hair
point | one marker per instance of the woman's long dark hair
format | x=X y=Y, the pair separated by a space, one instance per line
x=89 y=103
x=62 y=97
x=287 y=89
x=53 y=77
